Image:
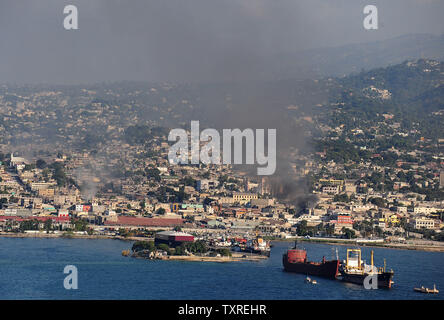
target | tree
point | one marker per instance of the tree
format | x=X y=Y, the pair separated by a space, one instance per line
x=224 y=252
x=378 y=231
x=303 y=230
x=143 y=245
x=348 y=233
x=197 y=246
x=341 y=198
x=180 y=250
x=378 y=202
x=164 y=247
x=47 y=225
x=330 y=229
x=29 y=225
x=160 y=211
x=45 y=174
x=29 y=167
x=41 y=164
x=59 y=175
x=153 y=173
x=79 y=224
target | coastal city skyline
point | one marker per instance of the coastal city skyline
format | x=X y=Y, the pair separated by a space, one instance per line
x=119 y=181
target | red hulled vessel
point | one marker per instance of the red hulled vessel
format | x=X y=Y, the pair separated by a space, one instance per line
x=295 y=260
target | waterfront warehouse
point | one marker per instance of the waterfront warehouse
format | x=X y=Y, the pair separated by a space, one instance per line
x=173 y=238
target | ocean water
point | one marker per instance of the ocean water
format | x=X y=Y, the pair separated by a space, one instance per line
x=33 y=269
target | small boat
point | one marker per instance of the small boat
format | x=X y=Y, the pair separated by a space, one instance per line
x=310 y=280
x=426 y=290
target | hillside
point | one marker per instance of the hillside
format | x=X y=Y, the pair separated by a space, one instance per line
x=343 y=60
x=412 y=91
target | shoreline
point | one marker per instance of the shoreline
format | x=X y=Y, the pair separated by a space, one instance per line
x=69 y=236
x=233 y=258
x=434 y=247
x=400 y=246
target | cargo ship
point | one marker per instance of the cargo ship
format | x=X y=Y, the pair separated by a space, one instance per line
x=354 y=270
x=295 y=260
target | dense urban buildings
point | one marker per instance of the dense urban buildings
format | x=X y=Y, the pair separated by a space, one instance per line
x=101 y=166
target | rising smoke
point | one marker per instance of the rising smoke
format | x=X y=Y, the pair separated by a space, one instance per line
x=230 y=42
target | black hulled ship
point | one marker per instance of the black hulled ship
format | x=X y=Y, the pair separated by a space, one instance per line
x=354 y=270
x=295 y=260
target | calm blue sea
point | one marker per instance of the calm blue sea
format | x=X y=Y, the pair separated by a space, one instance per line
x=33 y=269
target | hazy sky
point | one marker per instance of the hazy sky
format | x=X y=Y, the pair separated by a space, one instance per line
x=185 y=39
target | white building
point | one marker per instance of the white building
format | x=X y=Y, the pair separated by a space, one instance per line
x=422 y=222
